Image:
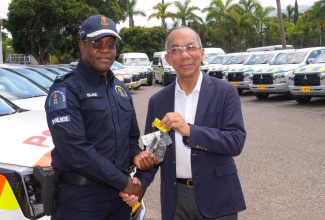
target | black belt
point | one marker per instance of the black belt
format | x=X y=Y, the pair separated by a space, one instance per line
x=188 y=182
x=74 y=179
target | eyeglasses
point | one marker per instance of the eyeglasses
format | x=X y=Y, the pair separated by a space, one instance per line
x=177 y=51
x=99 y=44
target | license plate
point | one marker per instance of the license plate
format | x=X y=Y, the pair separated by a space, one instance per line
x=144 y=80
x=135 y=207
x=305 y=89
x=137 y=83
x=235 y=83
x=261 y=87
x=130 y=86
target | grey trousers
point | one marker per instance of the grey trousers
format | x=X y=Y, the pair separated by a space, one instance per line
x=186 y=208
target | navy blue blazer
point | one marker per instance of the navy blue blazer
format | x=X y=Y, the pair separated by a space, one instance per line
x=217 y=135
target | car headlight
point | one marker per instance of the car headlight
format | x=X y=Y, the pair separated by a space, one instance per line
x=321 y=76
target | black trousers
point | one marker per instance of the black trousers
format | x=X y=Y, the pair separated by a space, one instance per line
x=90 y=202
x=186 y=208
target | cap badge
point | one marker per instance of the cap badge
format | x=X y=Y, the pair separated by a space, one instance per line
x=103 y=21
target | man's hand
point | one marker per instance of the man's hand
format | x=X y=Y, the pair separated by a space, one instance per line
x=145 y=160
x=133 y=188
x=131 y=200
x=175 y=121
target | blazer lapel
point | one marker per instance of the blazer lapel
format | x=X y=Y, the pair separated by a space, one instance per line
x=204 y=97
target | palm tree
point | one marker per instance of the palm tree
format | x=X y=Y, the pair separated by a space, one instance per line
x=316 y=15
x=290 y=11
x=261 y=20
x=131 y=11
x=218 y=16
x=162 y=13
x=185 y=12
x=248 y=5
x=297 y=29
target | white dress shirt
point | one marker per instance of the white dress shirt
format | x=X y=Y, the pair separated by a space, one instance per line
x=186 y=105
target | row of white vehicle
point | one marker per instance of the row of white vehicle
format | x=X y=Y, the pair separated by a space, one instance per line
x=299 y=73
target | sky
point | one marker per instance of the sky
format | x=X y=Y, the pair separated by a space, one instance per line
x=146 y=6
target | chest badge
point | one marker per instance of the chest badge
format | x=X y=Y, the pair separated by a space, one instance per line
x=120 y=91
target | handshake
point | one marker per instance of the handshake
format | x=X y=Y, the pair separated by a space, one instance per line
x=133 y=191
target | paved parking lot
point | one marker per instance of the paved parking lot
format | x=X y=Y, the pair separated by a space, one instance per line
x=282 y=165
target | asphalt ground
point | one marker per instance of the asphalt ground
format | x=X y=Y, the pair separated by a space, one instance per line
x=282 y=166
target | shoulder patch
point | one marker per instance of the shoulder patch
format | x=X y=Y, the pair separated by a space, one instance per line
x=57 y=99
x=63 y=76
x=120 y=91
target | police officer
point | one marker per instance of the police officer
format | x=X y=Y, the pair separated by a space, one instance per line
x=93 y=124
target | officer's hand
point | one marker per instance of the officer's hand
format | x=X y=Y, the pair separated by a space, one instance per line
x=145 y=160
x=133 y=189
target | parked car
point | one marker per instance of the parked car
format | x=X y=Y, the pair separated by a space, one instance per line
x=25 y=143
x=231 y=60
x=210 y=53
x=308 y=81
x=275 y=78
x=163 y=72
x=239 y=76
x=141 y=63
x=22 y=91
x=33 y=75
x=119 y=68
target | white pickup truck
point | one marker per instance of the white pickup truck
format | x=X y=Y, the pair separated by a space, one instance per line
x=307 y=82
x=274 y=79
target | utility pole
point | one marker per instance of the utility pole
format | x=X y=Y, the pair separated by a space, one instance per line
x=1 y=52
x=283 y=38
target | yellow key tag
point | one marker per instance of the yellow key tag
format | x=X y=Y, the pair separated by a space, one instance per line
x=156 y=123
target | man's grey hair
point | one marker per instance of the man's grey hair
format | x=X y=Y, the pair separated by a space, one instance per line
x=180 y=27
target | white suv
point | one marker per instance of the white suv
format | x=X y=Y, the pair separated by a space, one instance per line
x=308 y=82
x=274 y=79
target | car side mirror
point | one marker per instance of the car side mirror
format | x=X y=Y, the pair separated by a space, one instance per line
x=311 y=60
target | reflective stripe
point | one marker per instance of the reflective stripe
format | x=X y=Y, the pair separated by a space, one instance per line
x=7 y=198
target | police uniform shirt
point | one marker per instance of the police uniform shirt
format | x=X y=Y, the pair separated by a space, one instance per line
x=93 y=126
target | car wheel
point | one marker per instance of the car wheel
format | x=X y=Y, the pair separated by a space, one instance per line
x=290 y=96
x=261 y=95
x=149 y=79
x=240 y=91
x=302 y=99
x=163 y=81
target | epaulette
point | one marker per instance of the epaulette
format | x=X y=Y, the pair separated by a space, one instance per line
x=61 y=77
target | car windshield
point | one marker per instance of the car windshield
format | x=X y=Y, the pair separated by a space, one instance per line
x=36 y=77
x=209 y=57
x=6 y=108
x=45 y=72
x=320 y=58
x=117 y=65
x=236 y=59
x=259 y=59
x=289 y=58
x=14 y=87
x=218 y=60
x=136 y=62
x=58 y=70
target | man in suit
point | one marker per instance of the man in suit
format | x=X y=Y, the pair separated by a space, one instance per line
x=203 y=116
